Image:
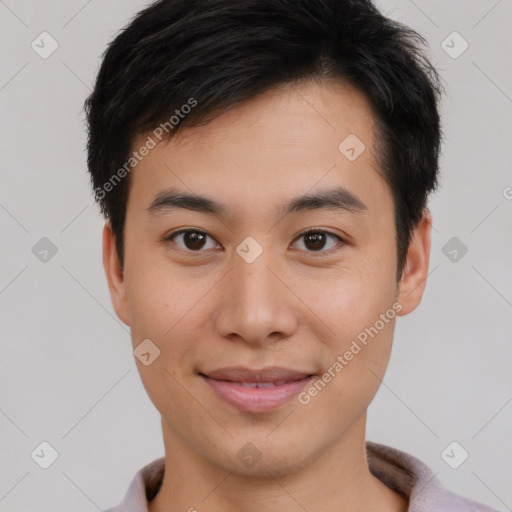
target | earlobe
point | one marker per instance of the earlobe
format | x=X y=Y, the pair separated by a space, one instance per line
x=115 y=275
x=414 y=276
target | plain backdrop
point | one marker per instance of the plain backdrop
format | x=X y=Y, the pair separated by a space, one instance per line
x=67 y=371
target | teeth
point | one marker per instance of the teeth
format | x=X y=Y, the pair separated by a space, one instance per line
x=263 y=384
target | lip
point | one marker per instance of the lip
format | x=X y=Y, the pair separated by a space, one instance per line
x=257 y=390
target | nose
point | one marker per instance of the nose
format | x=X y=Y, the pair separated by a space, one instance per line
x=256 y=306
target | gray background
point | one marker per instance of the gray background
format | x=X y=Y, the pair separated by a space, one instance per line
x=67 y=372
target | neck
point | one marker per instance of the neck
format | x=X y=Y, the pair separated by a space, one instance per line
x=338 y=479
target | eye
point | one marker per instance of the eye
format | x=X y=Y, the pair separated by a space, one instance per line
x=193 y=240
x=317 y=240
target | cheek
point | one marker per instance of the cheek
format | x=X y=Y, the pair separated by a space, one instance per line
x=356 y=364
x=150 y=302
x=351 y=301
x=156 y=294
x=360 y=309
x=171 y=309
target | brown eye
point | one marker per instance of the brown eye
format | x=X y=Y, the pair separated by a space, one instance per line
x=193 y=240
x=317 y=240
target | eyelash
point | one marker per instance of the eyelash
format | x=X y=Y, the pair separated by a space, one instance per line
x=309 y=231
x=339 y=240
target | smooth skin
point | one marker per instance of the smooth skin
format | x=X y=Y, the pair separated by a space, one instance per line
x=298 y=305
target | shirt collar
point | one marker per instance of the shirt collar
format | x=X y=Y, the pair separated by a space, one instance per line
x=398 y=470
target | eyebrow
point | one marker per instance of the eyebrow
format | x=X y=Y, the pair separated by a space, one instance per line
x=338 y=198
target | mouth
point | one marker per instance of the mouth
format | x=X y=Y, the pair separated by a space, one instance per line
x=257 y=390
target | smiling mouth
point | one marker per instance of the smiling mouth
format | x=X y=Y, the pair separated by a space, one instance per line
x=271 y=374
x=257 y=390
x=266 y=384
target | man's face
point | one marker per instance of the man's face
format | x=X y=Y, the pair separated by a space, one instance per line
x=244 y=287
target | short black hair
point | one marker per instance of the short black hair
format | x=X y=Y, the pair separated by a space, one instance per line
x=214 y=54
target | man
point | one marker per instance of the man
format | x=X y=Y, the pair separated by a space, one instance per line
x=264 y=168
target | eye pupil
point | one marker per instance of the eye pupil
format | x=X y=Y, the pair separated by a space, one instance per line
x=194 y=240
x=315 y=241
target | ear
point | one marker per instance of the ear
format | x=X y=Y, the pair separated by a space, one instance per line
x=114 y=273
x=413 y=281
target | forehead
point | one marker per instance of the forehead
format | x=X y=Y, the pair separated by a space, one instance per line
x=315 y=113
x=288 y=140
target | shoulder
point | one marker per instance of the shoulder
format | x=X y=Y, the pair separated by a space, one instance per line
x=412 y=478
x=143 y=487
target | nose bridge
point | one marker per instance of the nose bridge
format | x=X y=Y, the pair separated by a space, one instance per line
x=253 y=282
x=256 y=304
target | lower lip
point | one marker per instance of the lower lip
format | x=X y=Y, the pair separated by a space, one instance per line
x=257 y=399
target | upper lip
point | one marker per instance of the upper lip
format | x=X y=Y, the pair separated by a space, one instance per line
x=269 y=374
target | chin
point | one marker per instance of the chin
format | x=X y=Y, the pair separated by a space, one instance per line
x=259 y=458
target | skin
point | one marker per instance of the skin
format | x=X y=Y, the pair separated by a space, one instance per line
x=292 y=307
